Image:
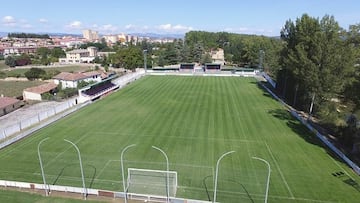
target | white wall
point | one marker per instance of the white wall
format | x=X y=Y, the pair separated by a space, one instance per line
x=31 y=96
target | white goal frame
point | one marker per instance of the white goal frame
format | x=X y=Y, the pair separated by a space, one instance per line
x=151 y=182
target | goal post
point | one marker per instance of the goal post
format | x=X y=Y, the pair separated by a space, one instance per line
x=151 y=182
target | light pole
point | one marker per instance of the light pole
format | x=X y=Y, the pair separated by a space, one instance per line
x=268 y=177
x=311 y=106
x=122 y=168
x=217 y=171
x=81 y=167
x=167 y=174
x=42 y=168
x=145 y=60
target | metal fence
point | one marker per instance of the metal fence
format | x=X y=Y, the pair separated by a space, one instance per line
x=90 y=191
x=35 y=119
x=40 y=120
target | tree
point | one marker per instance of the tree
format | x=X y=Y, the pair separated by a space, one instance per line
x=317 y=59
x=57 y=52
x=197 y=52
x=10 y=61
x=128 y=58
x=34 y=73
x=206 y=58
x=23 y=60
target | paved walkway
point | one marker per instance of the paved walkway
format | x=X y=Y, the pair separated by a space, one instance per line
x=28 y=111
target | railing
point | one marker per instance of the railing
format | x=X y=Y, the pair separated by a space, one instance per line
x=44 y=118
x=90 y=191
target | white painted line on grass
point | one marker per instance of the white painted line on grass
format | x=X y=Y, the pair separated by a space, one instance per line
x=278 y=168
x=185 y=165
x=179 y=137
x=341 y=168
x=69 y=147
x=103 y=168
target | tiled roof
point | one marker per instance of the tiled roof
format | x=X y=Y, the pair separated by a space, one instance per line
x=7 y=101
x=42 y=88
x=75 y=76
x=70 y=76
x=91 y=73
x=78 y=51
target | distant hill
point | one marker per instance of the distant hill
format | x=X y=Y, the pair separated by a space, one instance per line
x=5 y=34
x=151 y=35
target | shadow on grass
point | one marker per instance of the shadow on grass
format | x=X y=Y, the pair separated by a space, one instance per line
x=71 y=165
x=305 y=133
x=346 y=179
x=232 y=181
x=265 y=93
x=296 y=126
x=302 y=131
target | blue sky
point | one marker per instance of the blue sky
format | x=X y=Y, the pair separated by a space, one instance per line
x=263 y=17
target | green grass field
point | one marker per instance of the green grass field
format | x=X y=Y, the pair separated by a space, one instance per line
x=15 y=88
x=20 y=71
x=194 y=120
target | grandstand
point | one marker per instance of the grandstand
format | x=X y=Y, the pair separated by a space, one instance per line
x=187 y=67
x=212 y=67
x=95 y=91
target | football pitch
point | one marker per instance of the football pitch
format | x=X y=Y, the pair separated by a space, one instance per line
x=194 y=120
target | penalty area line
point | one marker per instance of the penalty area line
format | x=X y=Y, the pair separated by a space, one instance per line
x=278 y=168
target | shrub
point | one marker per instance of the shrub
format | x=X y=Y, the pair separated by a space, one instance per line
x=35 y=73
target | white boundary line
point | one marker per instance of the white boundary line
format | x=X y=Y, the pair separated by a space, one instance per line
x=281 y=174
x=260 y=196
x=178 y=137
x=151 y=162
x=69 y=147
x=103 y=168
x=341 y=168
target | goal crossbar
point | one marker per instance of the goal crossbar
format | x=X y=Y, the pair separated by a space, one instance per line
x=151 y=182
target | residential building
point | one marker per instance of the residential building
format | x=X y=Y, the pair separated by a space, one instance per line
x=217 y=56
x=111 y=39
x=9 y=104
x=35 y=93
x=90 y=35
x=80 y=56
x=71 y=80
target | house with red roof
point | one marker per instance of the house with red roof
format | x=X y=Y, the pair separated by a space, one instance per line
x=35 y=93
x=9 y=104
x=71 y=80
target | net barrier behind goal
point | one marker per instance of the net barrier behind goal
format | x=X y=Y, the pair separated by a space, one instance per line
x=151 y=182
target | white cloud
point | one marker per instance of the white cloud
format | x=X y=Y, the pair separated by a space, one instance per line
x=9 y=21
x=130 y=26
x=75 y=25
x=136 y=28
x=108 y=28
x=43 y=20
x=174 y=28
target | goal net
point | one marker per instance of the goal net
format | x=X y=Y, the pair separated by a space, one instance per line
x=151 y=182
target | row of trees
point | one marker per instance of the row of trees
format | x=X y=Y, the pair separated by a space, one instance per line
x=319 y=64
x=242 y=50
x=28 y=35
x=21 y=60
